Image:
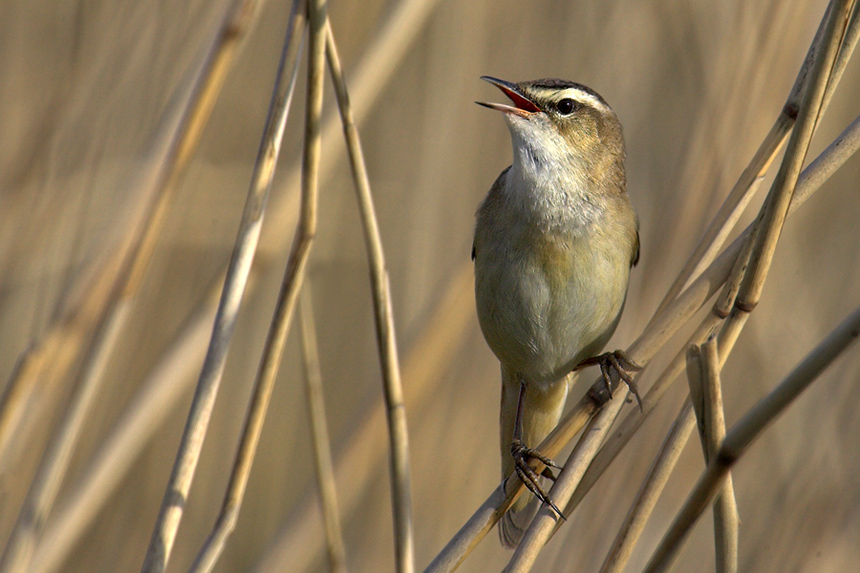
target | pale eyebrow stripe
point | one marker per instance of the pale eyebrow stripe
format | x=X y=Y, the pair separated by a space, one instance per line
x=586 y=98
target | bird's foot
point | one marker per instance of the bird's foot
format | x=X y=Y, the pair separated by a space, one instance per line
x=522 y=455
x=622 y=364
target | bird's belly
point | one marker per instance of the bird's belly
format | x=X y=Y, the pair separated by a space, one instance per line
x=545 y=308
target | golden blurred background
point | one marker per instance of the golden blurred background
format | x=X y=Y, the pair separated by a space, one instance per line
x=89 y=95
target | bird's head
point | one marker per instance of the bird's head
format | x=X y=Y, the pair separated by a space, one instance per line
x=559 y=121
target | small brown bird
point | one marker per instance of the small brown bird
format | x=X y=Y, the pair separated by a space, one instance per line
x=555 y=239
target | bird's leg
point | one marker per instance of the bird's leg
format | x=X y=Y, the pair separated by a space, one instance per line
x=522 y=454
x=622 y=364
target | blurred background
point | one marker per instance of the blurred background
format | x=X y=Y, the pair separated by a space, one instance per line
x=89 y=93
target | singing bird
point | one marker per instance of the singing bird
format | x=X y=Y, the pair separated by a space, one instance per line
x=555 y=240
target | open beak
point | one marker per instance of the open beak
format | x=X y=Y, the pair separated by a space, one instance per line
x=523 y=106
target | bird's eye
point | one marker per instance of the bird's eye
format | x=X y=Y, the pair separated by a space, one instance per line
x=565 y=106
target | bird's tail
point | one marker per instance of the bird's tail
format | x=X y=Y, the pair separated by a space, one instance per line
x=542 y=408
x=513 y=524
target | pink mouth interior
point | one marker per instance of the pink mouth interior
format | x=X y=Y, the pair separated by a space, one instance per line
x=519 y=101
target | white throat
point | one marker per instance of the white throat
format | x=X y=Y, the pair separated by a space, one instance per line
x=548 y=181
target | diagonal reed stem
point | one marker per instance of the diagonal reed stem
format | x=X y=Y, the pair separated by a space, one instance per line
x=319 y=434
x=664 y=324
x=703 y=371
x=109 y=310
x=814 y=176
x=653 y=338
x=543 y=525
x=762 y=245
x=236 y=279
x=740 y=195
x=101 y=292
x=745 y=431
x=269 y=150
x=648 y=494
x=401 y=488
x=55 y=462
x=147 y=411
x=769 y=228
x=169 y=379
x=659 y=473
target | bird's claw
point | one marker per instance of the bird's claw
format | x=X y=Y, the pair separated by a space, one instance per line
x=529 y=476
x=622 y=364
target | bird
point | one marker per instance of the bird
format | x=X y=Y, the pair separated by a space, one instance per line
x=555 y=240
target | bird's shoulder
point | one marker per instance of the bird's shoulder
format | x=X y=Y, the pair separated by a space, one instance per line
x=490 y=210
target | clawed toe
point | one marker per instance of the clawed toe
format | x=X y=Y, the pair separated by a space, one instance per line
x=622 y=364
x=529 y=476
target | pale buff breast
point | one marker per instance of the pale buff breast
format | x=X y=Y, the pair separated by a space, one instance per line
x=548 y=300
